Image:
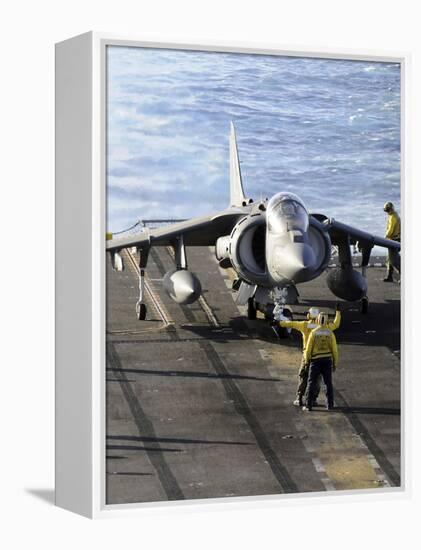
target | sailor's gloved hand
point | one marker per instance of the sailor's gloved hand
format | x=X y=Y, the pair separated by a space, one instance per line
x=278 y=314
x=338 y=306
x=334 y=368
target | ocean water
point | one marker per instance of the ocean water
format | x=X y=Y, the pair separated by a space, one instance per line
x=327 y=130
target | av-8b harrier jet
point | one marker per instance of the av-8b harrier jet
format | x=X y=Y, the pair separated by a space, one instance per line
x=272 y=245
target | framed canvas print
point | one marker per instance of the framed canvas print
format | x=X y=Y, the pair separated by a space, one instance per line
x=230 y=225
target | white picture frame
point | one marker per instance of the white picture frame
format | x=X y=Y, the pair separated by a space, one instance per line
x=80 y=266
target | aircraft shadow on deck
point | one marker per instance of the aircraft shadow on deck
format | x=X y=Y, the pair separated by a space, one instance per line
x=381 y=316
x=369 y=410
x=146 y=449
x=179 y=440
x=195 y=374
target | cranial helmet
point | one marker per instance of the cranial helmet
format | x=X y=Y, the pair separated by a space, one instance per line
x=313 y=312
x=388 y=207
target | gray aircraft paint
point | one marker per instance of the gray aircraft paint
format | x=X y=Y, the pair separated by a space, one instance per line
x=296 y=243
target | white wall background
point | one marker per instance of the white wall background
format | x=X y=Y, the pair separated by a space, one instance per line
x=28 y=33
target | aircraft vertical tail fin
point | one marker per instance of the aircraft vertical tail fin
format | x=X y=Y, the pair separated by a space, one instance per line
x=236 y=185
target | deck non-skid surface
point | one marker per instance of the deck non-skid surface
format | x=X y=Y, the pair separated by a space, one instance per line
x=202 y=407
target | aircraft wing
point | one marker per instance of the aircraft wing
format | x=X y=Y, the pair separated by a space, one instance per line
x=201 y=231
x=338 y=231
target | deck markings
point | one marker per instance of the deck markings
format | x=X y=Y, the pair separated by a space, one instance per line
x=234 y=394
x=358 y=472
x=384 y=464
x=343 y=452
x=145 y=428
x=238 y=400
x=359 y=464
x=156 y=301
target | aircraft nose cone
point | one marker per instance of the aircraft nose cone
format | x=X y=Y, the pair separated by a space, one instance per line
x=296 y=262
x=301 y=257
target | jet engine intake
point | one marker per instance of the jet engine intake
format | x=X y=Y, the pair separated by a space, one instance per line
x=347 y=284
x=321 y=245
x=245 y=249
x=182 y=286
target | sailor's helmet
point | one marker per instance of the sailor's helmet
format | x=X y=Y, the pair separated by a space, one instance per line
x=313 y=313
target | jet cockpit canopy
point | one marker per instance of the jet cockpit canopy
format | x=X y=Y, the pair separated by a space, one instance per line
x=286 y=212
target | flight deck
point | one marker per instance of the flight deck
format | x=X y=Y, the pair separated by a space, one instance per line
x=199 y=399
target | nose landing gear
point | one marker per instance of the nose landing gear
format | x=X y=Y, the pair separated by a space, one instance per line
x=141 y=311
x=251 y=309
x=281 y=311
x=282 y=332
x=364 y=305
x=140 y=305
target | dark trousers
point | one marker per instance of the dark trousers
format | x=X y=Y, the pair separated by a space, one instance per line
x=303 y=380
x=319 y=367
x=393 y=261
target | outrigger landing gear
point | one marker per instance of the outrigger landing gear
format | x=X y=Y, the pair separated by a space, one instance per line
x=141 y=310
x=140 y=306
x=366 y=252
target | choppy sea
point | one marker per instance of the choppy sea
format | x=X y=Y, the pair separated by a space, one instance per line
x=327 y=130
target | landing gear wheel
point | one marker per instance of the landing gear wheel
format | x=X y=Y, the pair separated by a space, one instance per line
x=269 y=312
x=251 y=309
x=364 y=305
x=281 y=332
x=141 y=311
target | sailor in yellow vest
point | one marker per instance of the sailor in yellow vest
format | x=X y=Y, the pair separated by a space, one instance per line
x=393 y=232
x=305 y=327
x=322 y=356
